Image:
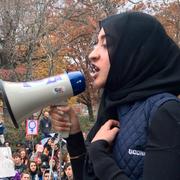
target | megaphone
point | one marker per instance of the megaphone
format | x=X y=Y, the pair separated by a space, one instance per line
x=24 y=98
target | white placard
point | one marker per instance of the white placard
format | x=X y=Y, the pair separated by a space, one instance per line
x=6 y=163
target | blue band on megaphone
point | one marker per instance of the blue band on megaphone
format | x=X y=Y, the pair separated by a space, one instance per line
x=77 y=80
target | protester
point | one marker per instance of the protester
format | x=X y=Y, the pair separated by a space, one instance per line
x=45 y=125
x=28 y=144
x=53 y=166
x=19 y=166
x=7 y=144
x=36 y=156
x=33 y=170
x=137 y=65
x=68 y=175
x=43 y=167
x=2 y=130
x=47 y=175
x=46 y=153
x=24 y=156
x=25 y=176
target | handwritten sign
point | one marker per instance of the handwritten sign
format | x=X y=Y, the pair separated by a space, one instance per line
x=6 y=163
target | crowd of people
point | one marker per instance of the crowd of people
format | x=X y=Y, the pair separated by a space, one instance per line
x=46 y=159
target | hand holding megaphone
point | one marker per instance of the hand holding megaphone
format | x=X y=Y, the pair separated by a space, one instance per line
x=64 y=119
x=24 y=98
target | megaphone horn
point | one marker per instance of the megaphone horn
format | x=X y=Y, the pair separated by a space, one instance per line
x=24 y=98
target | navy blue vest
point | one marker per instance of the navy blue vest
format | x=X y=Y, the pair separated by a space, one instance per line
x=129 y=148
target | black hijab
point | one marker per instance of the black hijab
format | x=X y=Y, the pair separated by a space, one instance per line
x=144 y=61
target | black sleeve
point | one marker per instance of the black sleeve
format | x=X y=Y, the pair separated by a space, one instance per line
x=103 y=164
x=162 y=158
x=76 y=147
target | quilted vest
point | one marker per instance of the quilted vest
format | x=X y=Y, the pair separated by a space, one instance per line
x=129 y=148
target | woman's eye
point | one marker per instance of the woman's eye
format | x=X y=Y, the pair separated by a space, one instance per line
x=93 y=44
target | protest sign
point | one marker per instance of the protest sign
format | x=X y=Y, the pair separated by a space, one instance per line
x=31 y=127
x=6 y=163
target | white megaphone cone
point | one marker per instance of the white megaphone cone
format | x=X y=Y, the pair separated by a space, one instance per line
x=24 y=98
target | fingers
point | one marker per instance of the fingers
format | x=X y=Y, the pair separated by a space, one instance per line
x=64 y=109
x=61 y=126
x=58 y=114
x=60 y=120
x=115 y=130
x=55 y=109
x=113 y=126
x=61 y=129
x=112 y=123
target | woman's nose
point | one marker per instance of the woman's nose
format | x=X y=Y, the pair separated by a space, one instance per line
x=94 y=55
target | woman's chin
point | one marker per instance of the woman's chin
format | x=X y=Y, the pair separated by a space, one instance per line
x=97 y=85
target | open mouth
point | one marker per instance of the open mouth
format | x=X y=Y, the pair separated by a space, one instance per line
x=94 y=69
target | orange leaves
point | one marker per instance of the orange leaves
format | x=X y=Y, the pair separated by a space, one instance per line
x=7 y=74
x=41 y=68
x=170 y=18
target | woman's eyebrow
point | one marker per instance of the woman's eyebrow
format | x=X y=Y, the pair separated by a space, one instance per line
x=102 y=37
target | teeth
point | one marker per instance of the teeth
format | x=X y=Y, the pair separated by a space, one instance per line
x=93 y=68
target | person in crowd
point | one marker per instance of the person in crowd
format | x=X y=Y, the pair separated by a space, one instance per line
x=46 y=153
x=25 y=176
x=35 y=116
x=24 y=156
x=49 y=141
x=45 y=125
x=43 y=167
x=33 y=170
x=36 y=156
x=28 y=144
x=18 y=146
x=2 y=131
x=137 y=131
x=53 y=164
x=7 y=144
x=19 y=166
x=47 y=175
x=62 y=157
x=68 y=173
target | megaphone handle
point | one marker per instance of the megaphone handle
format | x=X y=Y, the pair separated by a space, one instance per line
x=64 y=134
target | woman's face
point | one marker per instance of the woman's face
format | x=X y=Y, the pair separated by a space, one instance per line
x=33 y=167
x=53 y=162
x=23 y=154
x=99 y=58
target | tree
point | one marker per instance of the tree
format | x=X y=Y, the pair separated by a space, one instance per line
x=170 y=18
x=25 y=29
x=79 y=21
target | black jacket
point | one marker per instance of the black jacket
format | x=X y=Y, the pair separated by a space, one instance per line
x=162 y=153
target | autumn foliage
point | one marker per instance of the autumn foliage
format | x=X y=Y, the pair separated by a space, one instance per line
x=49 y=38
